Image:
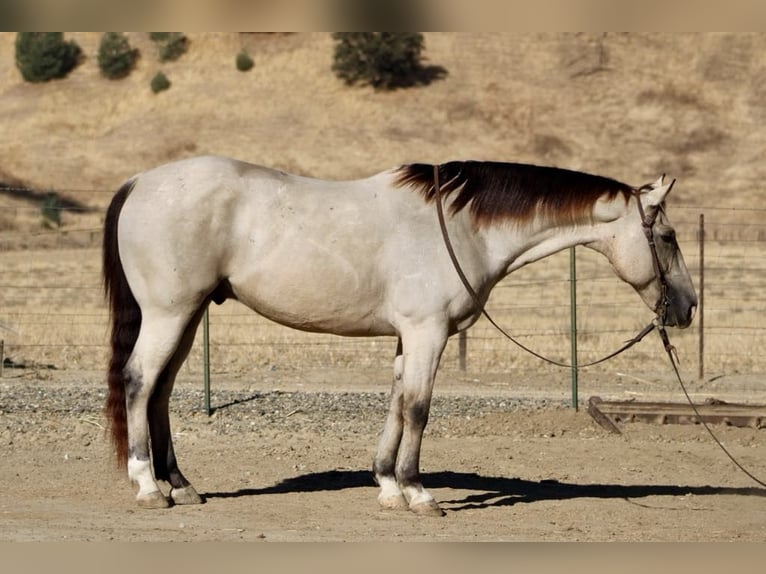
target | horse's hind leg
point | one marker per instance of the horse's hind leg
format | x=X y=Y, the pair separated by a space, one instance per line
x=163 y=455
x=157 y=343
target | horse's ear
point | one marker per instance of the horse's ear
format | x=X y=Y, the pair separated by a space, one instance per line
x=656 y=194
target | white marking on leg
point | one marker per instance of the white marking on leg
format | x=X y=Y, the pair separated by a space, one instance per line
x=390 y=495
x=140 y=472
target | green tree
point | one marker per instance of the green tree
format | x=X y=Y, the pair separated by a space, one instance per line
x=384 y=60
x=160 y=82
x=43 y=56
x=116 y=57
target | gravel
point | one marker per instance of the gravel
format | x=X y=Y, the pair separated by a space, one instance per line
x=25 y=405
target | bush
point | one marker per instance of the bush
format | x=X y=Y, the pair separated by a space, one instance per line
x=115 y=56
x=244 y=61
x=171 y=45
x=43 y=56
x=385 y=60
x=160 y=82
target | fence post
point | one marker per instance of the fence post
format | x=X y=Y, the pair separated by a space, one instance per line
x=573 y=322
x=462 y=348
x=2 y=356
x=206 y=359
x=701 y=302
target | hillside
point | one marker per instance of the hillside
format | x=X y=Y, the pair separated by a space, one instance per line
x=625 y=105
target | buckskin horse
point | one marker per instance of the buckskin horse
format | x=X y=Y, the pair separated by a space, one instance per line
x=353 y=258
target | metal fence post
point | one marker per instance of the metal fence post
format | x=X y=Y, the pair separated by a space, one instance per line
x=701 y=302
x=573 y=322
x=206 y=358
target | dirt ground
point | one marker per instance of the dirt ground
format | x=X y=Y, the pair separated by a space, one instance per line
x=280 y=460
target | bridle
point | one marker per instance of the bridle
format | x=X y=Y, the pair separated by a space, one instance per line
x=647 y=224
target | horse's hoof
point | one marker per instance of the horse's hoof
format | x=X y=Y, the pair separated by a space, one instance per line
x=427 y=508
x=153 y=500
x=185 y=495
x=395 y=502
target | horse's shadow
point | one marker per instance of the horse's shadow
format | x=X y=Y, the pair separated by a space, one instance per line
x=490 y=491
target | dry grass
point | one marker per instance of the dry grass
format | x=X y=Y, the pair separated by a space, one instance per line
x=55 y=304
x=628 y=106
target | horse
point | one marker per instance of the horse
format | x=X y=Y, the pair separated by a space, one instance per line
x=356 y=258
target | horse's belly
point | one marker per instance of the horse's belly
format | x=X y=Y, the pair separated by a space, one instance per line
x=321 y=317
x=341 y=304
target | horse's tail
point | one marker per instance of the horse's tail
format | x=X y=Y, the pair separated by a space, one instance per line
x=125 y=322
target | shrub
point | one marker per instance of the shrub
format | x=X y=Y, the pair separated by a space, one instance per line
x=244 y=61
x=116 y=58
x=385 y=60
x=160 y=82
x=43 y=56
x=171 y=45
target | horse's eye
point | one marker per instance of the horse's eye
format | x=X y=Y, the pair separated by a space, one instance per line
x=668 y=236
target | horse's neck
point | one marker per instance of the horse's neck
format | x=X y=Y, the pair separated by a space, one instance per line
x=511 y=247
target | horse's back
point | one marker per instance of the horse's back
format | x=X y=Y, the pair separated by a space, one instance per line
x=295 y=249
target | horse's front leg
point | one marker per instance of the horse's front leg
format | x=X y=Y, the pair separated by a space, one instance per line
x=390 y=496
x=422 y=350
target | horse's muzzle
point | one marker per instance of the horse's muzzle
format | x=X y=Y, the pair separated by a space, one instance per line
x=680 y=312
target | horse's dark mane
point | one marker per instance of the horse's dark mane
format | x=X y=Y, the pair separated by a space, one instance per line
x=512 y=191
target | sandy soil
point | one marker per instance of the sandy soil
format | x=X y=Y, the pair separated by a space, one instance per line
x=278 y=462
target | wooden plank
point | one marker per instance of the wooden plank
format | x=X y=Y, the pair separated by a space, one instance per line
x=594 y=410
x=609 y=413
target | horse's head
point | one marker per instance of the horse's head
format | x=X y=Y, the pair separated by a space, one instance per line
x=641 y=245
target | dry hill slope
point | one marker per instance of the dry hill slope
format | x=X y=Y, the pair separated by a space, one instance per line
x=625 y=105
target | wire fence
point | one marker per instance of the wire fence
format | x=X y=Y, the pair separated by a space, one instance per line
x=53 y=316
